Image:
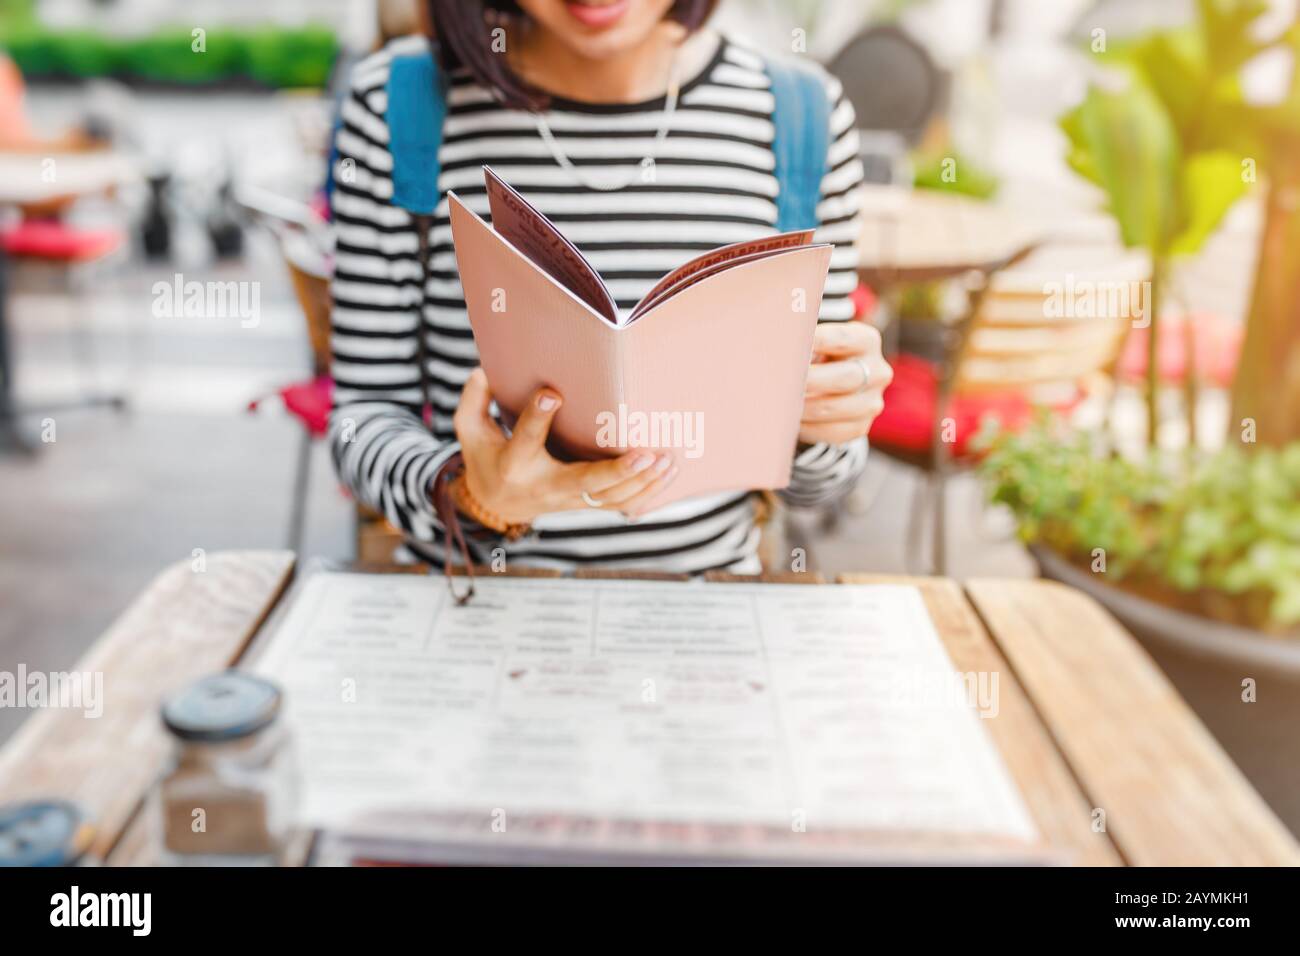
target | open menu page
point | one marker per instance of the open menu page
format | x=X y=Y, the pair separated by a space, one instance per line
x=701 y=267
x=520 y=223
x=517 y=221
x=807 y=710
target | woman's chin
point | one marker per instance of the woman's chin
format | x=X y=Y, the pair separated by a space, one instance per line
x=604 y=46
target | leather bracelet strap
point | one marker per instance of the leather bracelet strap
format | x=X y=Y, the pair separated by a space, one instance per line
x=445 y=507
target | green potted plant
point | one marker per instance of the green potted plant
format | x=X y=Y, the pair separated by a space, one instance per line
x=1220 y=540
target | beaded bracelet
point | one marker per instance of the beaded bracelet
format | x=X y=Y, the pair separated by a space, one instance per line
x=471 y=508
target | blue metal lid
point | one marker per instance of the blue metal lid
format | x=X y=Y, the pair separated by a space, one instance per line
x=222 y=707
x=43 y=833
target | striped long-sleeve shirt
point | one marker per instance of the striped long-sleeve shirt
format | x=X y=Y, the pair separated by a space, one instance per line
x=713 y=185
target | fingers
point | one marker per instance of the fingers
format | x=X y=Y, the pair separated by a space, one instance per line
x=473 y=419
x=860 y=407
x=848 y=375
x=836 y=377
x=534 y=422
x=832 y=433
x=842 y=417
x=638 y=504
x=617 y=495
x=628 y=483
x=845 y=339
x=597 y=477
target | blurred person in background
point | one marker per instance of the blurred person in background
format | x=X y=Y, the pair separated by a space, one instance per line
x=611 y=77
x=16 y=131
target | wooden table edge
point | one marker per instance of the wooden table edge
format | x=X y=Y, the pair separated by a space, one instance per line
x=1235 y=827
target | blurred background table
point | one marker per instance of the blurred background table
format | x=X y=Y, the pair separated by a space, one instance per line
x=912 y=238
x=1112 y=765
x=914 y=235
x=29 y=178
x=44 y=180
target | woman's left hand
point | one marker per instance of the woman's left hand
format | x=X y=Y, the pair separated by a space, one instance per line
x=846 y=383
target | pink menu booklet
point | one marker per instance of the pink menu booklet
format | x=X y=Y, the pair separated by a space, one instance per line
x=709 y=366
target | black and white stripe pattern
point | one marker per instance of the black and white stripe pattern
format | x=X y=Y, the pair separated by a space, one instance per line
x=713 y=184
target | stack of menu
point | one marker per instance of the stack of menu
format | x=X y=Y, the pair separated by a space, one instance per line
x=576 y=721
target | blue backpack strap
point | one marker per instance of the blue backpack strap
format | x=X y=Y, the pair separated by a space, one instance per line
x=417 y=107
x=801 y=115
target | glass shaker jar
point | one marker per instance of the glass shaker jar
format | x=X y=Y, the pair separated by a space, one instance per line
x=229 y=793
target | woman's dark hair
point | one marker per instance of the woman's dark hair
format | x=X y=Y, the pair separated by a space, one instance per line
x=464 y=31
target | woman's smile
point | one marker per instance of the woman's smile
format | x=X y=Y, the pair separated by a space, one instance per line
x=597 y=14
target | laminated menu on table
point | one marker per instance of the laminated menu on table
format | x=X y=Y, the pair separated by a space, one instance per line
x=625 y=718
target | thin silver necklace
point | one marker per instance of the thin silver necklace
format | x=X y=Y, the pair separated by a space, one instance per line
x=670 y=107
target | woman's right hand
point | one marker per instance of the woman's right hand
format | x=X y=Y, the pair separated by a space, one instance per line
x=517 y=479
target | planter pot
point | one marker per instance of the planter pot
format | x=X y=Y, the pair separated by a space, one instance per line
x=1207 y=661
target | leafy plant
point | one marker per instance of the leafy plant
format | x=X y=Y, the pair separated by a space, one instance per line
x=1228 y=529
x=1166 y=149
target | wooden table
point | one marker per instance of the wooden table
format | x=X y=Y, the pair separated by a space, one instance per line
x=1085 y=722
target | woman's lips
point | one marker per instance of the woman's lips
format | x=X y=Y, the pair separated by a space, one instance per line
x=597 y=14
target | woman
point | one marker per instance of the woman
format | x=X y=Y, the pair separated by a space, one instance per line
x=568 y=99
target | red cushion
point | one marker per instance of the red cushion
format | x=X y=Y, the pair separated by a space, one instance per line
x=1217 y=349
x=55 y=240
x=909 y=415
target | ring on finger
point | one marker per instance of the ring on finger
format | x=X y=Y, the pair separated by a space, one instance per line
x=592 y=502
x=866 y=375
